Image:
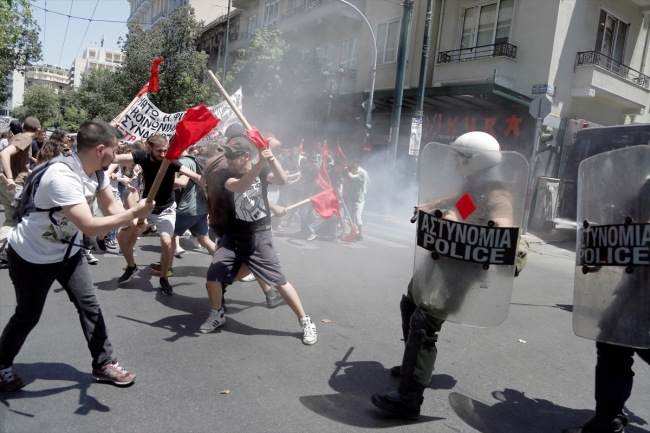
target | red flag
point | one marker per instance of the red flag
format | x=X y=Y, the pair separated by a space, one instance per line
x=302 y=152
x=153 y=78
x=317 y=146
x=323 y=178
x=258 y=139
x=326 y=203
x=326 y=150
x=196 y=124
x=339 y=152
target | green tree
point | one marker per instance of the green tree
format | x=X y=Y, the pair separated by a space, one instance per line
x=19 y=44
x=183 y=82
x=72 y=115
x=101 y=95
x=41 y=102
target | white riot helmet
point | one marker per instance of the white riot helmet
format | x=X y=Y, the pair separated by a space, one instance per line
x=471 y=161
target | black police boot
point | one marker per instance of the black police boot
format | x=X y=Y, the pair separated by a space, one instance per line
x=406 y=308
x=402 y=403
x=602 y=424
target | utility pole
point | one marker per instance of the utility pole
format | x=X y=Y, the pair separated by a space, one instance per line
x=225 y=52
x=398 y=94
x=419 y=113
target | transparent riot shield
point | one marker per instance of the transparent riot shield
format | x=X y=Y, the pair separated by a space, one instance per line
x=611 y=299
x=470 y=208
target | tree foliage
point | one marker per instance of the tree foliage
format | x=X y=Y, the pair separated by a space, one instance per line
x=41 y=102
x=19 y=44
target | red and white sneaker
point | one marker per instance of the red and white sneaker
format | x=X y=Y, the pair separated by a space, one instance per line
x=9 y=381
x=113 y=373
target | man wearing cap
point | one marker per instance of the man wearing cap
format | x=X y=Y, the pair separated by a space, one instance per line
x=15 y=161
x=247 y=232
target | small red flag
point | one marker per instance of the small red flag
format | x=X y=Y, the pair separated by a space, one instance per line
x=326 y=150
x=339 y=152
x=326 y=203
x=258 y=139
x=302 y=152
x=196 y=124
x=153 y=78
x=323 y=178
x=465 y=206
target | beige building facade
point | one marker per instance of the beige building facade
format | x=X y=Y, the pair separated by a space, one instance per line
x=52 y=76
x=149 y=13
x=95 y=58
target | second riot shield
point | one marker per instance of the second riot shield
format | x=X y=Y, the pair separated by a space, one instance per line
x=611 y=299
x=470 y=207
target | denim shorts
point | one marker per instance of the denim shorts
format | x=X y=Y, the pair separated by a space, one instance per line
x=196 y=224
x=264 y=262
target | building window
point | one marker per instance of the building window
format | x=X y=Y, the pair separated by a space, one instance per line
x=610 y=39
x=486 y=24
x=348 y=58
x=387 y=35
x=252 y=24
x=271 y=8
x=323 y=55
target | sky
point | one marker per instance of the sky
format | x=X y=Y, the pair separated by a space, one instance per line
x=53 y=27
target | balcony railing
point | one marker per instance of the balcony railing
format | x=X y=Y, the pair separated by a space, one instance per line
x=238 y=36
x=349 y=73
x=614 y=66
x=300 y=9
x=495 y=50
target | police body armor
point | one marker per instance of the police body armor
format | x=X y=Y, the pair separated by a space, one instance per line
x=611 y=300
x=471 y=205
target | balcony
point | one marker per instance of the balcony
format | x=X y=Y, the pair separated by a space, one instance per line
x=451 y=67
x=237 y=41
x=300 y=9
x=601 y=77
x=141 y=6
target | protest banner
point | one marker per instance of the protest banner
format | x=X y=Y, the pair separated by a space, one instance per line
x=144 y=119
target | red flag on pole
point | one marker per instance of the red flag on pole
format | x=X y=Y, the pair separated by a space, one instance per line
x=339 y=152
x=193 y=127
x=326 y=203
x=152 y=85
x=302 y=152
x=323 y=178
x=326 y=150
x=258 y=139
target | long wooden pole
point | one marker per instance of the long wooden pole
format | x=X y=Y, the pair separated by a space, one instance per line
x=234 y=108
x=295 y=205
x=119 y=118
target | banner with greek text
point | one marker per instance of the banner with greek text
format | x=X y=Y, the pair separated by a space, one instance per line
x=144 y=119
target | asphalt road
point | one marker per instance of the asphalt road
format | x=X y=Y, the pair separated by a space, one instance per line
x=486 y=380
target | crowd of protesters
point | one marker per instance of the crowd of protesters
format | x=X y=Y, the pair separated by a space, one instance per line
x=229 y=196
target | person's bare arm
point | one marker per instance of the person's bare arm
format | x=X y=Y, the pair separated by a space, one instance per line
x=242 y=184
x=125 y=159
x=277 y=175
x=5 y=160
x=81 y=217
x=107 y=202
x=181 y=181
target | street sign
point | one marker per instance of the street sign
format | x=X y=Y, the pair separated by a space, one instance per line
x=540 y=107
x=364 y=104
x=543 y=89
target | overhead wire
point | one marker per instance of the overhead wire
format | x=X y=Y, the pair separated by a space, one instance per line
x=84 y=37
x=81 y=18
x=66 y=33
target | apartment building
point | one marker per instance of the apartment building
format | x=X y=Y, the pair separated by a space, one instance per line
x=15 y=89
x=94 y=58
x=213 y=42
x=150 y=13
x=488 y=59
x=47 y=75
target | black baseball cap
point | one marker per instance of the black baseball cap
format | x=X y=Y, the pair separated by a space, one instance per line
x=238 y=145
x=234 y=130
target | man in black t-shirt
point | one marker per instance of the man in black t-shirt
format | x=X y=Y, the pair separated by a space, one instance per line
x=164 y=214
x=247 y=235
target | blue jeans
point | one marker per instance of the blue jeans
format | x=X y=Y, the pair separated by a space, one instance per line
x=32 y=282
x=307 y=218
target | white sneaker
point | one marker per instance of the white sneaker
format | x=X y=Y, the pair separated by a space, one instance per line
x=92 y=260
x=308 y=331
x=216 y=319
x=248 y=278
x=179 y=251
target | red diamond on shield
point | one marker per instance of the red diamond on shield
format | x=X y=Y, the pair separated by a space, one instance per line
x=465 y=206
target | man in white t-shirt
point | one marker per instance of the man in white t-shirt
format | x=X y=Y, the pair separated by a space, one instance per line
x=45 y=247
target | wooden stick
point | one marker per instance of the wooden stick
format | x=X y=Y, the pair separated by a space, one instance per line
x=234 y=108
x=156 y=183
x=119 y=118
x=295 y=205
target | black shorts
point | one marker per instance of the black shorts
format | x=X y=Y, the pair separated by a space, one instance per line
x=264 y=262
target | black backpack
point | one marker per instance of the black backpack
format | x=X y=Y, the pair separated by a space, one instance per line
x=25 y=199
x=200 y=163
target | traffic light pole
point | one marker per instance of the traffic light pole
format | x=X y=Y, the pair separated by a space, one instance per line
x=531 y=176
x=402 y=54
x=423 y=72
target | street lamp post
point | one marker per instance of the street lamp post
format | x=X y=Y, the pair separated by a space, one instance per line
x=374 y=64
